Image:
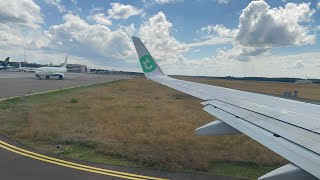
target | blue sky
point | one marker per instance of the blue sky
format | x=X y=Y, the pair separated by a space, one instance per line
x=190 y=37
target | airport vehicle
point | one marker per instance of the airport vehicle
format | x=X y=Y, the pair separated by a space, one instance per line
x=52 y=71
x=26 y=69
x=289 y=128
x=5 y=65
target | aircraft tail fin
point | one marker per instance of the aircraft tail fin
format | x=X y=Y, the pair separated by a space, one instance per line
x=65 y=62
x=6 y=61
x=149 y=65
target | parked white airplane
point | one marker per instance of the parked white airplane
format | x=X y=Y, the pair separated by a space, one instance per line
x=52 y=71
x=5 y=64
x=289 y=128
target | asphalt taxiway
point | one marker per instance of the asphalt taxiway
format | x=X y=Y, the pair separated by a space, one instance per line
x=21 y=83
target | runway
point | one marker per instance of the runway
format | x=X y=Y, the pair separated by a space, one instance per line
x=21 y=83
x=20 y=162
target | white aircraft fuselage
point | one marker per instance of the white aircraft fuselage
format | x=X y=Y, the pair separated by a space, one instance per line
x=52 y=71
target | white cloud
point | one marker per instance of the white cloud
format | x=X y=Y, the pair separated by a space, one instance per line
x=20 y=25
x=262 y=66
x=217 y=30
x=120 y=11
x=77 y=37
x=156 y=34
x=100 y=18
x=24 y=12
x=129 y=30
x=263 y=27
x=223 y=1
x=318 y=5
x=17 y=36
x=167 y=1
x=57 y=4
x=214 y=35
x=75 y=2
x=101 y=46
x=299 y=65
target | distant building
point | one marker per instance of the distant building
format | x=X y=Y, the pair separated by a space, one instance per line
x=78 y=68
x=303 y=81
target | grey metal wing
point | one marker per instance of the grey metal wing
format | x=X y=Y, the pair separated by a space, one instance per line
x=289 y=128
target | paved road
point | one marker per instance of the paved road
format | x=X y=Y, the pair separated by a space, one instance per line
x=18 y=162
x=21 y=83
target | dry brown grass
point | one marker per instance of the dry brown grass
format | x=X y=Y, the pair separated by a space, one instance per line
x=143 y=122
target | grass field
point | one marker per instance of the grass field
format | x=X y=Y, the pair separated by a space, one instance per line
x=137 y=122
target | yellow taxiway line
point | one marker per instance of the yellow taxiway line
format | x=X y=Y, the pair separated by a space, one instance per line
x=72 y=165
x=69 y=164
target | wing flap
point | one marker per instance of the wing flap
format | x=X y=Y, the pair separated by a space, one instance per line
x=216 y=127
x=303 y=137
x=306 y=159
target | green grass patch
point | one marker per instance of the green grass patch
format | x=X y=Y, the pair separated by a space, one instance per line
x=73 y=100
x=9 y=103
x=44 y=97
x=88 y=154
x=77 y=151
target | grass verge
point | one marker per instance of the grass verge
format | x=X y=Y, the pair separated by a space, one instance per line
x=132 y=122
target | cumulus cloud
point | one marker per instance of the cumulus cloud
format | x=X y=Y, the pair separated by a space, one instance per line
x=20 y=22
x=156 y=34
x=24 y=12
x=120 y=11
x=75 y=2
x=214 y=35
x=223 y=1
x=77 y=37
x=299 y=65
x=263 y=27
x=100 y=18
x=167 y=1
x=217 y=30
x=129 y=30
x=57 y=4
x=318 y=5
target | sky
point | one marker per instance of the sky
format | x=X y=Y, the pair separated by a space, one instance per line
x=271 y=38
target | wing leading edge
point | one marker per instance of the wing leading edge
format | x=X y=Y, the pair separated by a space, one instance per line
x=289 y=128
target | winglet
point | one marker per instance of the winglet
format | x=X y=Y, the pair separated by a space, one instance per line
x=149 y=65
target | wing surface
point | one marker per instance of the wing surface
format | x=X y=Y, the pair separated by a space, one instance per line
x=289 y=128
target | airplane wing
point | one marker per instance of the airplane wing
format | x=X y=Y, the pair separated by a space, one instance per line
x=289 y=128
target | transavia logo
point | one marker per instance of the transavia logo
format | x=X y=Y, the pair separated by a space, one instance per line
x=147 y=63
